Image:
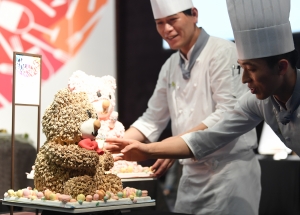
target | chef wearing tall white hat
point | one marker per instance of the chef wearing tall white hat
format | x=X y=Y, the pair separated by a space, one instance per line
x=196 y=86
x=266 y=52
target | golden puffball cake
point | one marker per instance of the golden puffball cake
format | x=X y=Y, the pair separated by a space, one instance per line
x=62 y=164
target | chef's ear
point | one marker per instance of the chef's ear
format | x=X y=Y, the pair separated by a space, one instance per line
x=283 y=65
x=195 y=14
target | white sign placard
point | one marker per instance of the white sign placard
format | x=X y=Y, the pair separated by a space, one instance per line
x=27 y=71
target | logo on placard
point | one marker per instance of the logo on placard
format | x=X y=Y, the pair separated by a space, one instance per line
x=27 y=67
x=56 y=29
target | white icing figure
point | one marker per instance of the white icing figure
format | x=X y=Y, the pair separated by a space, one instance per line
x=101 y=93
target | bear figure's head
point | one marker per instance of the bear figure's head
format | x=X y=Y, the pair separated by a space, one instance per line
x=100 y=91
x=70 y=118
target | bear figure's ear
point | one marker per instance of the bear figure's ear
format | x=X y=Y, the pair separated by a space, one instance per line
x=111 y=81
x=77 y=81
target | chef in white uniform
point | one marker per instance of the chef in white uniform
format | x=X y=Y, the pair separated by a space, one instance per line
x=267 y=54
x=196 y=86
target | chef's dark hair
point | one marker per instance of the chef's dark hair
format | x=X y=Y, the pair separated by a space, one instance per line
x=292 y=57
x=188 y=12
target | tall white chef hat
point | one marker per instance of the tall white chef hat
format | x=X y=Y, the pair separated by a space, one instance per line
x=261 y=28
x=164 y=8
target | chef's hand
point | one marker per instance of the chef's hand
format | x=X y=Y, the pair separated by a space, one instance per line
x=161 y=166
x=132 y=150
x=114 y=147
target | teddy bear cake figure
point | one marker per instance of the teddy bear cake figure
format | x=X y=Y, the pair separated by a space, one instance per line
x=70 y=162
x=101 y=93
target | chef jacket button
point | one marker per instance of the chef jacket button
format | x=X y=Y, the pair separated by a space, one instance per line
x=195 y=85
x=192 y=109
x=215 y=164
x=180 y=111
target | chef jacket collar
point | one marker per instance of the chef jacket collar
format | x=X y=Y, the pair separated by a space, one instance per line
x=194 y=54
x=292 y=104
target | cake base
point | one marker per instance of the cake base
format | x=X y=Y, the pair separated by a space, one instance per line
x=135 y=175
x=81 y=210
x=76 y=205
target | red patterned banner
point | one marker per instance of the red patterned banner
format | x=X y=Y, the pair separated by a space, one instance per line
x=56 y=29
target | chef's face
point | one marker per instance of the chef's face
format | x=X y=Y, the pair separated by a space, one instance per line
x=262 y=80
x=178 y=30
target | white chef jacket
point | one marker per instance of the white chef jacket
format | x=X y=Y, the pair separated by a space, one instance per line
x=205 y=97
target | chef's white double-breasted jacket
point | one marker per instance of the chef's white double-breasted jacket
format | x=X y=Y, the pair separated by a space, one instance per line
x=228 y=180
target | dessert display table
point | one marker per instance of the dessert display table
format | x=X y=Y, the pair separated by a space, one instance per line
x=95 y=206
x=150 y=203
